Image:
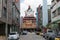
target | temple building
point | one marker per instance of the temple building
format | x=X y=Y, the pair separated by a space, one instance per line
x=29 y=21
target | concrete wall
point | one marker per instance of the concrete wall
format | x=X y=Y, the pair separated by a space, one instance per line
x=0 y=7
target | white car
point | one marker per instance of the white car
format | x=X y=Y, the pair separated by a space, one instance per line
x=24 y=33
x=50 y=35
x=13 y=35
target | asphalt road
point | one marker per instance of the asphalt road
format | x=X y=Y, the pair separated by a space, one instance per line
x=31 y=36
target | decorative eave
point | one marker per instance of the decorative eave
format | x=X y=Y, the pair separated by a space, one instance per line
x=29 y=18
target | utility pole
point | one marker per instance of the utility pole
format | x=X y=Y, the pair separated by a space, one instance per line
x=7 y=22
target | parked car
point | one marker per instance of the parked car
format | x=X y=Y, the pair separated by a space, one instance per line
x=50 y=35
x=41 y=33
x=13 y=35
x=58 y=36
x=24 y=33
x=37 y=33
x=44 y=35
x=38 y=30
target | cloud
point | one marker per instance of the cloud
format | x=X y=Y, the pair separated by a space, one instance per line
x=21 y=1
x=33 y=3
x=23 y=7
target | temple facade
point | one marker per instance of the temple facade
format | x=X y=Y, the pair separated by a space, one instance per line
x=29 y=21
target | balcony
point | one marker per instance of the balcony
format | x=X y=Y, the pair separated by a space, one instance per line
x=56 y=18
x=55 y=7
x=52 y=0
x=53 y=4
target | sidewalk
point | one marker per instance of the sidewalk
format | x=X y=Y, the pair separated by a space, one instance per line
x=2 y=37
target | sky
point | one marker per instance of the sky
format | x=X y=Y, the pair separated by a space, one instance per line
x=33 y=3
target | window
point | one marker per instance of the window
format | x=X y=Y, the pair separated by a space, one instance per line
x=0 y=1
x=17 y=19
x=54 y=13
x=57 y=0
x=14 y=12
x=4 y=12
x=52 y=0
x=50 y=31
x=53 y=5
x=12 y=33
x=59 y=11
x=5 y=1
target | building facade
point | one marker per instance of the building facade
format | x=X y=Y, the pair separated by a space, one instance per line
x=29 y=21
x=45 y=13
x=21 y=21
x=7 y=15
x=39 y=16
x=55 y=12
x=49 y=14
x=15 y=15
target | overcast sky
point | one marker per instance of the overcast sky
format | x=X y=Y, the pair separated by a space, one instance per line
x=33 y=3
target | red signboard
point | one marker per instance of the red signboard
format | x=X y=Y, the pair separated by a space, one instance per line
x=28 y=25
x=16 y=0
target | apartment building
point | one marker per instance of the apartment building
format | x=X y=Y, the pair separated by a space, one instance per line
x=39 y=16
x=3 y=15
x=55 y=11
x=15 y=15
x=7 y=15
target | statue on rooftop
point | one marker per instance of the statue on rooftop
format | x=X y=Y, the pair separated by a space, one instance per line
x=29 y=12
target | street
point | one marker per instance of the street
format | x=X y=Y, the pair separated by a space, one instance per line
x=29 y=19
x=31 y=37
